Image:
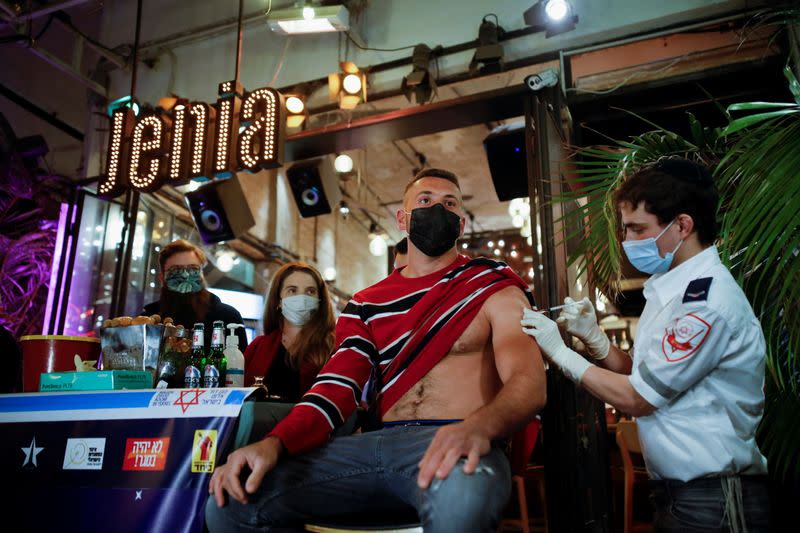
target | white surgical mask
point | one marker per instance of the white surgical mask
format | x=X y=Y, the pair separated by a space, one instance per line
x=644 y=256
x=299 y=309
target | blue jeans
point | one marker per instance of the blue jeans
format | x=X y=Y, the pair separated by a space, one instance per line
x=373 y=473
x=699 y=505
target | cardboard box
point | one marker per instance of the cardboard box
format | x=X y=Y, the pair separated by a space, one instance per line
x=131 y=347
x=100 y=380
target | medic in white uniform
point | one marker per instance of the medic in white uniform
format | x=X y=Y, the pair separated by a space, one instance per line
x=696 y=379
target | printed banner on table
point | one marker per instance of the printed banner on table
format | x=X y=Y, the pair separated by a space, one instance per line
x=114 y=473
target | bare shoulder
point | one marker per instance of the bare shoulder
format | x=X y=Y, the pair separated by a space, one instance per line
x=508 y=299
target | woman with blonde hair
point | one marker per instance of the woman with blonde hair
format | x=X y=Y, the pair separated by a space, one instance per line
x=298 y=333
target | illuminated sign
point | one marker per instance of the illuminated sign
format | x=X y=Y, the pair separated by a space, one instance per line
x=242 y=131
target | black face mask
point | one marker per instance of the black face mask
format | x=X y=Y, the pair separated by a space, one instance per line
x=434 y=230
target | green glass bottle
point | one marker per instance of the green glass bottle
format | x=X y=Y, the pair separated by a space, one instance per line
x=192 y=376
x=216 y=364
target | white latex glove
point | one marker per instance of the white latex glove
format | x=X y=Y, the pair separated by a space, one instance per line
x=580 y=319
x=549 y=338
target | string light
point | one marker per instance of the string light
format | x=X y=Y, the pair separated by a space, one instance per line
x=261 y=108
x=225 y=127
x=177 y=141
x=152 y=129
x=201 y=113
x=110 y=185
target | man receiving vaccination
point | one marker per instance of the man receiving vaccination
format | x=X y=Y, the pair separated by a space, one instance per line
x=448 y=372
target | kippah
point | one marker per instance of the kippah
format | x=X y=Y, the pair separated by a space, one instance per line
x=685 y=170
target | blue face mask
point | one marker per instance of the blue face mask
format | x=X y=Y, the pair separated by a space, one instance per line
x=184 y=280
x=644 y=256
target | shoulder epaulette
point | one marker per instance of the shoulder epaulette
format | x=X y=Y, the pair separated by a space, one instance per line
x=697 y=291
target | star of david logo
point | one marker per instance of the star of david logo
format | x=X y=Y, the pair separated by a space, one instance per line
x=188 y=398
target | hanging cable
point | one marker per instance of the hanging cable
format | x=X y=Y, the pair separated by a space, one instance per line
x=239 y=42
x=409 y=47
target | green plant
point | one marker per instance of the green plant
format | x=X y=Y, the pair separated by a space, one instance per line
x=755 y=161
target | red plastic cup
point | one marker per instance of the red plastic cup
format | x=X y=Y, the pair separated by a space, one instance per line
x=53 y=353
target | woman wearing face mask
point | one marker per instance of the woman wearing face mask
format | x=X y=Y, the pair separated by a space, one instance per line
x=298 y=333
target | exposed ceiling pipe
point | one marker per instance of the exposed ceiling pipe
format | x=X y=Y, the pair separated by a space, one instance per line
x=207 y=31
x=51 y=8
x=8 y=9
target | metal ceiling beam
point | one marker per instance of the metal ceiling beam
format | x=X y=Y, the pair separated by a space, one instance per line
x=69 y=70
x=414 y=121
x=51 y=8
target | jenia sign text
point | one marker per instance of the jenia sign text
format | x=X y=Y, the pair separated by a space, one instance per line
x=194 y=139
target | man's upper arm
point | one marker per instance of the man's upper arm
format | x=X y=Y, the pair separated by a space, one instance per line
x=682 y=354
x=514 y=351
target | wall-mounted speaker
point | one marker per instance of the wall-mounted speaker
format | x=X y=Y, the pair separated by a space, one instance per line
x=220 y=210
x=315 y=186
x=505 y=152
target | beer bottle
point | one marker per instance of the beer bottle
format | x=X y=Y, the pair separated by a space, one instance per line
x=192 y=374
x=214 y=370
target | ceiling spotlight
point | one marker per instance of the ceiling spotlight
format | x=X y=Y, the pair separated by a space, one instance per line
x=377 y=246
x=296 y=112
x=125 y=101
x=308 y=19
x=348 y=86
x=294 y=104
x=225 y=261
x=420 y=83
x=168 y=103
x=343 y=164
x=329 y=274
x=344 y=209
x=556 y=10
x=488 y=56
x=352 y=84
x=551 y=16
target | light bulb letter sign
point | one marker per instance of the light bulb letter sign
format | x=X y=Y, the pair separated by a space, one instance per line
x=194 y=140
x=261 y=116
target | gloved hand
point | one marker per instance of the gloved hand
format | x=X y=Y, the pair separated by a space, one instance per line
x=547 y=335
x=579 y=319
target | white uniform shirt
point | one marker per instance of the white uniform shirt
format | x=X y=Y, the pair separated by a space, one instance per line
x=699 y=359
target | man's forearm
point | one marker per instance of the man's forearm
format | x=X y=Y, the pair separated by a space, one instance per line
x=515 y=405
x=615 y=389
x=617 y=361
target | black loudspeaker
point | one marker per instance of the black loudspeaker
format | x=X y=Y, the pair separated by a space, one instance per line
x=505 y=151
x=315 y=186
x=220 y=211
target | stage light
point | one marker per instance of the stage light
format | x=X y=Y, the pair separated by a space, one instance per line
x=551 y=16
x=420 y=83
x=343 y=163
x=295 y=104
x=377 y=246
x=309 y=19
x=352 y=84
x=296 y=112
x=555 y=9
x=348 y=86
x=125 y=101
x=225 y=261
x=488 y=56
